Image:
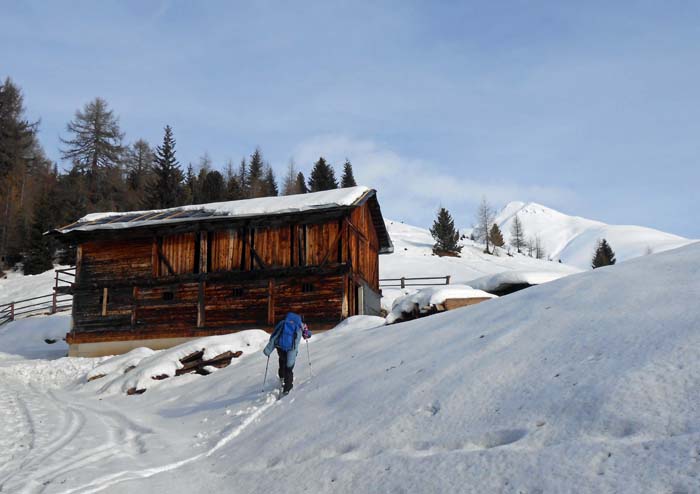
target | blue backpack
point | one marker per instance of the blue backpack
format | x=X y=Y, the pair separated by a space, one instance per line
x=288 y=335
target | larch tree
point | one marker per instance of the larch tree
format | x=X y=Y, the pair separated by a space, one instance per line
x=94 y=146
x=445 y=234
x=517 y=234
x=539 y=250
x=604 y=255
x=290 y=185
x=322 y=177
x=165 y=191
x=348 y=179
x=484 y=219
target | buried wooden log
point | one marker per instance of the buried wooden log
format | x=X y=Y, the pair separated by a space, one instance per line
x=192 y=357
x=134 y=391
x=198 y=366
x=98 y=376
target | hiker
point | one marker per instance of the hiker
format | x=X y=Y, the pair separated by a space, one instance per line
x=285 y=338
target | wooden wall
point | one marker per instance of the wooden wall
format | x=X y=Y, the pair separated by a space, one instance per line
x=108 y=260
x=364 y=246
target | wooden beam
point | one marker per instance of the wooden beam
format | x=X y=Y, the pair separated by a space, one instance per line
x=253 y=253
x=221 y=276
x=164 y=259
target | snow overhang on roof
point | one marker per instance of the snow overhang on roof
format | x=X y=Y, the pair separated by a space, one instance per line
x=324 y=201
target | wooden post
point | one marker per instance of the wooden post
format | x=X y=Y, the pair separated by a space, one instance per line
x=270 y=303
x=403 y=282
x=53 y=298
x=203 y=236
x=447 y=279
x=200 y=304
x=105 y=293
x=12 y=311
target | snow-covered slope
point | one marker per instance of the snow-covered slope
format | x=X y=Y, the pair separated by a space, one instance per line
x=413 y=257
x=15 y=286
x=587 y=384
x=573 y=239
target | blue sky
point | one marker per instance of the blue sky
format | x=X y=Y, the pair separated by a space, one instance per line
x=588 y=107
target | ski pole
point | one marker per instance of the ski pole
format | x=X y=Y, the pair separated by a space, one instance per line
x=308 y=356
x=265 y=380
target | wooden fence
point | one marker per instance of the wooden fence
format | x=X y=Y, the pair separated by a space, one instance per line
x=403 y=282
x=60 y=300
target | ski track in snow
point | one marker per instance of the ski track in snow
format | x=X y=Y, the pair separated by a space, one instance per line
x=45 y=437
x=44 y=440
x=228 y=435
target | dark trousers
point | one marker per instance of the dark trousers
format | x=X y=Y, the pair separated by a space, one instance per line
x=286 y=374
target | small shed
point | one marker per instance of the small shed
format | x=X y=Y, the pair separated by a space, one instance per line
x=158 y=278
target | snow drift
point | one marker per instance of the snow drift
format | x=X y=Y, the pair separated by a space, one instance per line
x=585 y=384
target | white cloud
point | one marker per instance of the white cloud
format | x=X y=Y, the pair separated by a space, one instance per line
x=411 y=190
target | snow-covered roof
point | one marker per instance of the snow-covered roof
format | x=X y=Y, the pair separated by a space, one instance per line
x=243 y=209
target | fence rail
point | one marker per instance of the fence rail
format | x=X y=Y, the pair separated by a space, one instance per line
x=60 y=300
x=403 y=282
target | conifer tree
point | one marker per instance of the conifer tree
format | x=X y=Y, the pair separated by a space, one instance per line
x=348 y=179
x=39 y=255
x=604 y=255
x=190 y=185
x=322 y=177
x=256 y=171
x=165 y=191
x=234 y=191
x=243 y=181
x=496 y=236
x=445 y=235
x=517 y=234
x=301 y=184
x=213 y=188
x=269 y=182
x=18 y=150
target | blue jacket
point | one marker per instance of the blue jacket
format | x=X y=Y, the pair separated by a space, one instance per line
x=291 y=354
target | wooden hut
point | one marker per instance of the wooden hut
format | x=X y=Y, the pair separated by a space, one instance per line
x=157 y=278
